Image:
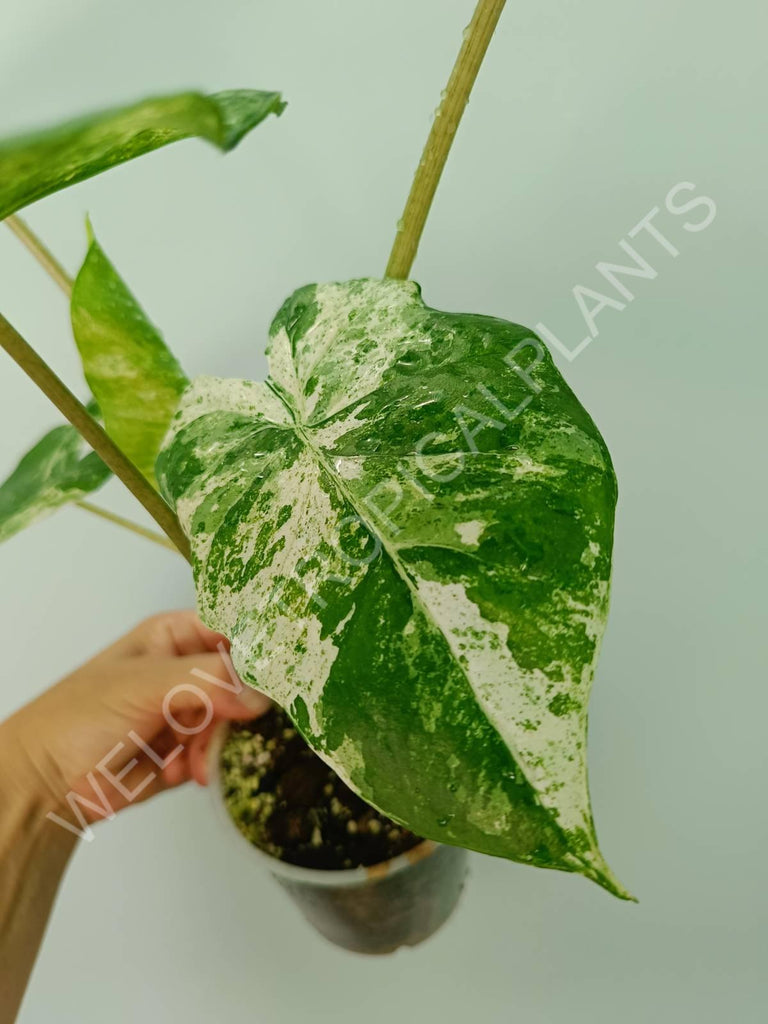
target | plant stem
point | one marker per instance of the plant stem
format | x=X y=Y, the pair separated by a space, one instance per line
x=41 y=252
x=127 y=524
x=39 y=371
x=477 y=36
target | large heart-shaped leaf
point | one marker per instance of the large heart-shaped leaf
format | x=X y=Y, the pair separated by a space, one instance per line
x=58 y=470
x=36 y=164
x=129 y=368
x=406 y=534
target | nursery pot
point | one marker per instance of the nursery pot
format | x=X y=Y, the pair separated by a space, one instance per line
x=375 y=909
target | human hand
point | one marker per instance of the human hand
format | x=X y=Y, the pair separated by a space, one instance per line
x=132 y=722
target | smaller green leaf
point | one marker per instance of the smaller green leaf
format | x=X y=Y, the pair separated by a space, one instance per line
x=55 y=472
x=129 y=368
x=39 y=163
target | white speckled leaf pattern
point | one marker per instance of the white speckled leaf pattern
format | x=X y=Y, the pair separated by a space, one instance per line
x=406 y=534
x=58 y=470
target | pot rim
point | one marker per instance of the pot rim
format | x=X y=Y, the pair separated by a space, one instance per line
x=292 y=872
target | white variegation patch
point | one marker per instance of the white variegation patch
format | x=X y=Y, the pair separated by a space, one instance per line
x=471 y=532
x=516 y=701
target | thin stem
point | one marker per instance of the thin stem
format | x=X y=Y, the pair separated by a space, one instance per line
x=477 y=36
x=41 y=252
x=39 y=371
x=127 y=524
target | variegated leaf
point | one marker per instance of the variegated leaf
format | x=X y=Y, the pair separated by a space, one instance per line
x=406 y=534
x=39 y=163
x=129 y=368
x=58 y=470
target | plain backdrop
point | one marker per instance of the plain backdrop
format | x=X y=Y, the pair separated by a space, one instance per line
x=583 y=118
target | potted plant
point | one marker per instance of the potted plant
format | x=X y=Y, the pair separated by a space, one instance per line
x=405 y=533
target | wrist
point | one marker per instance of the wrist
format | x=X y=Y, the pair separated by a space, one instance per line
x=27 y=782
x=34 y=854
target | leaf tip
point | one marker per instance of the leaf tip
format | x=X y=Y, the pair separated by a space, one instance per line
x=600 y=872
x=240 y=110
x=89 y=232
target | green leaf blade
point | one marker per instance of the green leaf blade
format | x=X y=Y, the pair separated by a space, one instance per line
x=58 y=470
x=134 y=377
x=408 y=544
x=37 y=164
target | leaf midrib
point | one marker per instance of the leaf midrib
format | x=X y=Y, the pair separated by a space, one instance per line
x=302 y=433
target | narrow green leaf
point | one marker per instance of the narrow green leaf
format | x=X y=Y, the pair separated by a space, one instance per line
x=406 y=534
x=55 y=472
x=39 y=163
x=130 y=370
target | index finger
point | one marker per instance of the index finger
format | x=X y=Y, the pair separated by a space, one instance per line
x=169 y=634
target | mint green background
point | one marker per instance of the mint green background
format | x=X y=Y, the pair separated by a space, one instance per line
x=582 y=120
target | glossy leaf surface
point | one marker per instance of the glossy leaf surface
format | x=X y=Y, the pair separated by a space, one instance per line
x=406 y=534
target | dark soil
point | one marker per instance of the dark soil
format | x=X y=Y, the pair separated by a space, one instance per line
x=289 y=803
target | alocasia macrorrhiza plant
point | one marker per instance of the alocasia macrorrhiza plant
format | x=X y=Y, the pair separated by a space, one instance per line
x=405 y=531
